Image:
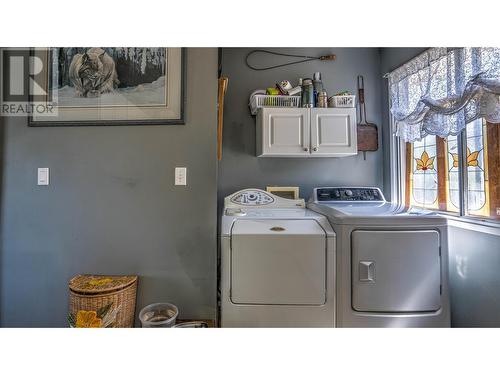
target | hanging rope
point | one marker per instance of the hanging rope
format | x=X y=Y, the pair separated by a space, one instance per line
x=304 y=59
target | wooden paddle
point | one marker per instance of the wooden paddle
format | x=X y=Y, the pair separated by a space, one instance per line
x=223 y=81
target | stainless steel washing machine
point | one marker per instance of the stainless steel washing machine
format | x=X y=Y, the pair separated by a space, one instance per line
x=392 y=263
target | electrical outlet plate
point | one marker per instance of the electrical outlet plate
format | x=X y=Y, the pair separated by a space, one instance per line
x=180 y=176
x=43 y=176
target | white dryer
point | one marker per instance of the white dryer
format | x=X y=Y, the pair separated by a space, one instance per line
x=392 y=263
x=277 y=263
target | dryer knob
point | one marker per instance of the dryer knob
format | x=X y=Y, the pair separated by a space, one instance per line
x=348 y=193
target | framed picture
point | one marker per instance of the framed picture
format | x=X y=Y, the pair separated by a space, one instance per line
x=289 y=192
x=109 y=86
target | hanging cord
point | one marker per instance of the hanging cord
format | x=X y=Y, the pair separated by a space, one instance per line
x=305 y=59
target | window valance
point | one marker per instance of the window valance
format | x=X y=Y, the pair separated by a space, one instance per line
x=443 y=89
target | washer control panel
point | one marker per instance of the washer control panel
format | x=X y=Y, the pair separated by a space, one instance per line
x=348 y=194
x=252 y=198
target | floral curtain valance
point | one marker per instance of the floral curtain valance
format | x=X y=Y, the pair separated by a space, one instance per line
x=443 y=89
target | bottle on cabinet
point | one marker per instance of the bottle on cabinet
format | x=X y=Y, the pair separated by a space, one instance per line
x=318 y=87
x=307 y=93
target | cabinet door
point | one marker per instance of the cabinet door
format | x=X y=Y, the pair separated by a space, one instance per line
x=333 y=132
x=283 y=132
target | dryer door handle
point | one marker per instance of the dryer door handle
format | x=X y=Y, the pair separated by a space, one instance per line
x=366 y=270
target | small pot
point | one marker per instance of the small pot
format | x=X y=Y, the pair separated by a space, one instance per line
x=159 y=315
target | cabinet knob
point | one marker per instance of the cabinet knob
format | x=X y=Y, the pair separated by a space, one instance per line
x=315 y=149
x=306 y=149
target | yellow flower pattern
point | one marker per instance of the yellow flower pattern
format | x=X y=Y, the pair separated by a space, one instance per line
x=425 y=162
x=87 y=319
x=471 y=158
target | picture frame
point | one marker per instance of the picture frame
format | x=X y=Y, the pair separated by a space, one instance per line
x=158 y=102
x=288 y=192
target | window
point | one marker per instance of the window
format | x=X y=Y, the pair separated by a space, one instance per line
x=423 y=173
x=445 y=103
x=441 y=174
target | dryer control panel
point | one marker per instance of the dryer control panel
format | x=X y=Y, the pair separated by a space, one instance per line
x=257 y=198
x=252 y=198
x=348 y=194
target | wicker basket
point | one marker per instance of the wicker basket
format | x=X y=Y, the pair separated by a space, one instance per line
x=109 y=293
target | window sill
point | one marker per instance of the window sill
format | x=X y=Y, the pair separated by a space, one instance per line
x=474 y=224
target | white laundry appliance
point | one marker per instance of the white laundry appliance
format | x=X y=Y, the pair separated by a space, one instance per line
x=277 y=263
x=392 y=263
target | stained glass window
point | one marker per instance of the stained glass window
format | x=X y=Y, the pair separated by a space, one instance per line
x=459 y=174
x=424 y=182
x=452 y=166
x=434 y=171
x=477 y=203
x=476 y=169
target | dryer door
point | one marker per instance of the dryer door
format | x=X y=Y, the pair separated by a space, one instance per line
x=278 y=262
x=396 y=271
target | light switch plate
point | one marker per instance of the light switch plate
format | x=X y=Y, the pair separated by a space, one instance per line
x=180 y=176
x=43 y=176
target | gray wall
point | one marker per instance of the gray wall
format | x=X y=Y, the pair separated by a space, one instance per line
x=474 y=277
x=112 y=208
x=240 y=168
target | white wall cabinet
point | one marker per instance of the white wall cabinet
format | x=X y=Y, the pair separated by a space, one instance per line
x=306 y=132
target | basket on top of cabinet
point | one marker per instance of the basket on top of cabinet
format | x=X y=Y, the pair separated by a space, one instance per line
x=344 y=101
x=306 y=132
x=273 y=101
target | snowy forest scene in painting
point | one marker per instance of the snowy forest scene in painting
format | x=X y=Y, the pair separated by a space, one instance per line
x=101 y=76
